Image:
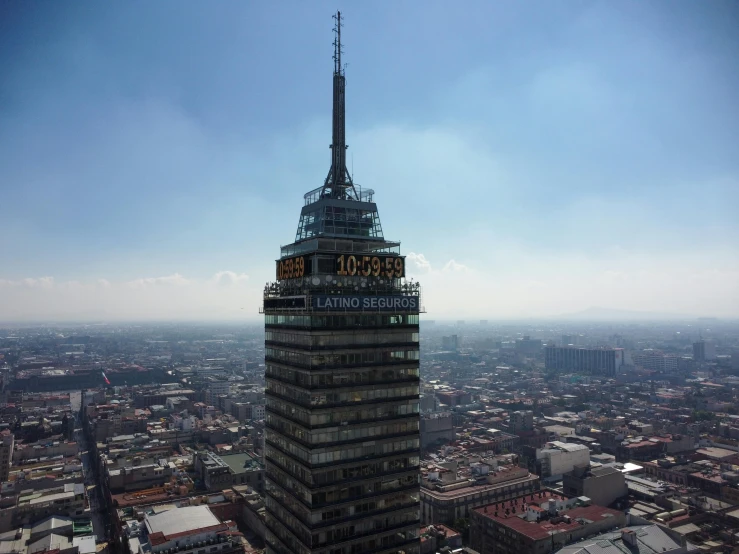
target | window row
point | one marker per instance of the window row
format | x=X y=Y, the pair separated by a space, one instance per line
x=326 y=398
x=284 y=461
x=366 y=527
x=293 y=512
x=390 y=502
x=331 y=339
x=344 y=359
x=363 y=471
x=340 y=321
x=278 y=531
x=348 y=414
x=307 y=378
x=342 y=494
x=340 y=453
x=360 y=487
x=330 y=475
x=319 y=437
x=285 y=506
x=287 y=544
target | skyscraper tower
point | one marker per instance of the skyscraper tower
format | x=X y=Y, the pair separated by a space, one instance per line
x=342 y=371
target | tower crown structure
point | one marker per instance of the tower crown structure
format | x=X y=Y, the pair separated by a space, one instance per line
x=339 y=208
x=342 y=440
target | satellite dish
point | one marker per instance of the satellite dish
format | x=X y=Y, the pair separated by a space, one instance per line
x=316 y=281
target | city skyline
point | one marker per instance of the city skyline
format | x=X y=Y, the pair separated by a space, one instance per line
x=558 y=157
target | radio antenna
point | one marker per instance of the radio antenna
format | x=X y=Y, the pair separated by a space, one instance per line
x=338 y=182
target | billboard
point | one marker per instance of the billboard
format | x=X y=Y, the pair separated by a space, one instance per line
x=358 y=303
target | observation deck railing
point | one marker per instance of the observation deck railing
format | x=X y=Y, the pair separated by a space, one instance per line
x=345 y=246
x=364 y=195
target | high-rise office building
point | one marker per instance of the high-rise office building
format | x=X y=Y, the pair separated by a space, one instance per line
x=342 y=370
x=704 y=351
x=450 y=343
x=655 y=360
x=6 y=456
x=606 y=361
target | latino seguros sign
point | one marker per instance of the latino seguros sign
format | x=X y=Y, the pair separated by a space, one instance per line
x=355 y=303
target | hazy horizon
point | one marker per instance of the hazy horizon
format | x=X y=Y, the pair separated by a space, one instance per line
x=595 y=315
x=535 y=160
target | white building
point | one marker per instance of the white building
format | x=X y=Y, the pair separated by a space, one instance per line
x=217 y=387
x=655 y=360
x=187 y=530
x=558 y=458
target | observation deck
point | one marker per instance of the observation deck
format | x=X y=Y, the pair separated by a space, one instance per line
x=352 y=215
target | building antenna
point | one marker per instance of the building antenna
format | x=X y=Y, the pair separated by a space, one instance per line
x=338 y=182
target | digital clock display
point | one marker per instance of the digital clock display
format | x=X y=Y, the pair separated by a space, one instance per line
x=385 y=266
x=391 y=267
x=293 y=268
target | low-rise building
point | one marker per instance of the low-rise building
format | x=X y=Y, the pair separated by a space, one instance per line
x=135 y=472
x=436 y=537
x=27 y=507
x=644 y=539
x=538 y=523
x=445 y=502
x=603 y=485
x=558 y=458
x=187 y=530
x=220 y=472
x=435 y=428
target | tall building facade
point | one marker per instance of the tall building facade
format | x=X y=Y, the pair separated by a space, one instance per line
x=342 y=440
x=655 y=360
x=704 y=351
x=6 y=456
x=588 y=360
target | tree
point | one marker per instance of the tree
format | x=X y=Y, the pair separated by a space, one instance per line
x=463 y=526
x=703 y=415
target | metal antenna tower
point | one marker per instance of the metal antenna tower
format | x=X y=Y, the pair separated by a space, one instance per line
x=338 y=182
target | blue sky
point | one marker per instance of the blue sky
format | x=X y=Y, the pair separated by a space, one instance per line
x=555 y=155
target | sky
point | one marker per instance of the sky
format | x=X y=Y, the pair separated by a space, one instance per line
x=533 y=158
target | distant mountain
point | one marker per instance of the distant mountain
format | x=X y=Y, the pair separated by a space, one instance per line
x=596 y=313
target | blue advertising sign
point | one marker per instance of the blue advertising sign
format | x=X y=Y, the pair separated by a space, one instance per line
x=356 y=303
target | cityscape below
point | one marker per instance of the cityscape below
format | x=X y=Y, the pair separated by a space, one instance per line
x=540 y=438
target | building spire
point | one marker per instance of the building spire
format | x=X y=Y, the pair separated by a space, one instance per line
x=338 y=182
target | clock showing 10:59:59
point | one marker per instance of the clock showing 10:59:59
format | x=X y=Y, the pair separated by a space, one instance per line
x=392 y=267
x=382 y=265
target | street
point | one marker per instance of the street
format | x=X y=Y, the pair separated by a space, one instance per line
x=94 y=494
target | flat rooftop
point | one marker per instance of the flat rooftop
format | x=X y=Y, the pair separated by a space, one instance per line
x=476 y=489
x=180 y=520
x=241 y=462
x=543 y=529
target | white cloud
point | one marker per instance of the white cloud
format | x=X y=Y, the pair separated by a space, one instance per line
x=453 y=265
x=417 y=263
x=29 y=282
x=174 y=279
x=229 y=278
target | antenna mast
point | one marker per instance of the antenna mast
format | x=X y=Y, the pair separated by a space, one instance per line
x=338 y=182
